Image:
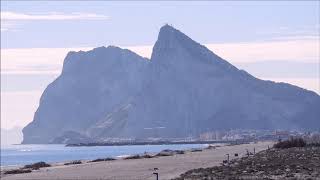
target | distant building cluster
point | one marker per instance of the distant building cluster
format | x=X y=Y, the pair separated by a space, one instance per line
x=230 y=135
x=255 y=135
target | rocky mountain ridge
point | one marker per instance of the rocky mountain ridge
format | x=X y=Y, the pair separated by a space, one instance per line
x=183 y=90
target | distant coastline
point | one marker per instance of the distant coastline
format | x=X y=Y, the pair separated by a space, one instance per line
x=153 y=143
x=141 y=165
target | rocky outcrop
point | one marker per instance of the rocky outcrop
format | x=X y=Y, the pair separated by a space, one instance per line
x=192 y=90
x=91 y=86
x=183 y=90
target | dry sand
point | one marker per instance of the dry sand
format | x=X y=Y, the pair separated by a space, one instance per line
x=168 y=166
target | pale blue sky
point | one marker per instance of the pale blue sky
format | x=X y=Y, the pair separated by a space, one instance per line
x=137 y=23
x=272 y=40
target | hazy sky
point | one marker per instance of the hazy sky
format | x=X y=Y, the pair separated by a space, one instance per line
x=272 y=40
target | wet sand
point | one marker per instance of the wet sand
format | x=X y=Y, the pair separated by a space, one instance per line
x=168 y=166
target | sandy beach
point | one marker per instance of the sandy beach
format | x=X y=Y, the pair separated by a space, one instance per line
x=168 y=166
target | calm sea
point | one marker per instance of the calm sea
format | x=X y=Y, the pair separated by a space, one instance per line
x=26 y=154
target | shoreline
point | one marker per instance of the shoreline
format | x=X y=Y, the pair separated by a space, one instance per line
x=118 y=157
x=149 y=148
x=169 y=166
x=153 y=143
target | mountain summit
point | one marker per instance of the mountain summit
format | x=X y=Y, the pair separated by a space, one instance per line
x=184 y=90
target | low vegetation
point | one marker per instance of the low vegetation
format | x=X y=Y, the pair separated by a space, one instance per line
x=292 y=142
x=168 y=152
x=73 y=162
x=27 y=168
x=314 y=144
x=103 y=159
x=147 y=156
x=178 y=152
x=196 y=150
x=37 y=165
x=18 y=171
x=276 y=163
x=137 y=156
x=163 y=153
x=212 y=146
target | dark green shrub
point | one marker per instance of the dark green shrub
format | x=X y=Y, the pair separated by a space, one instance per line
x=147 y=156
x=18 y=171
x=168 y=152
x=133 y=157
x=178 y=152
x=313 y=145
x=292 y=142
x=37 y=165
x=196 y=150
x=73 y=162
x=103 y=159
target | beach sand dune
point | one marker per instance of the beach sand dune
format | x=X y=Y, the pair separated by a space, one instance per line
x=168 y=166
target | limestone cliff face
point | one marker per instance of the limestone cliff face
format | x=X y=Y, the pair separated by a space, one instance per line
x=92 y=84
x=184 y=89
x=192 y=90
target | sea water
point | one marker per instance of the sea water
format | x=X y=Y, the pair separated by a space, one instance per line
x=13 y=155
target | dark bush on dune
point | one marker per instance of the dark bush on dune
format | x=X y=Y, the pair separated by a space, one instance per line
x=179 y=152
x=103 y=159
x=18 y=171
x=292 y=142
x=196 y=150
x=212 y=147
x=168 y=152
x=165 y=153
x=37 y=165
x=147 y=156
x=73 y=162
x=313 y=145
x=133 y=157
x=137 y=156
